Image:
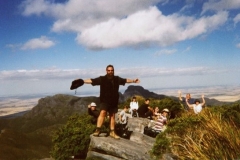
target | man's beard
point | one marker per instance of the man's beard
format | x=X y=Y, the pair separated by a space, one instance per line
x=110 y=75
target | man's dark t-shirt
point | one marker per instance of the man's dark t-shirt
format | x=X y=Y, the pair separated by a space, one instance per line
x=109 y=88
x=142 y=110
x=95 y=113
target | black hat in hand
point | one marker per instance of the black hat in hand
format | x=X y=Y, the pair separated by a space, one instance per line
x=76 y=83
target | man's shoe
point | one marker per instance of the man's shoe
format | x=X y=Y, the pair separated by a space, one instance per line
x=114 y=135
x=97 y=132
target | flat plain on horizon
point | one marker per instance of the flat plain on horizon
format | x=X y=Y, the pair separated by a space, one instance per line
x=16 y=104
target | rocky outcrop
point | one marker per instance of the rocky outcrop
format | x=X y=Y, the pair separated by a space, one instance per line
x=59 y=105
x=54 y=111
x=139 y=90
x=136 y=148
x=106 y=147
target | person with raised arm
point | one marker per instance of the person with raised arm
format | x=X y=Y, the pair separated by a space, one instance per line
x=197 y=106
x=184 y=100
x=109 y=95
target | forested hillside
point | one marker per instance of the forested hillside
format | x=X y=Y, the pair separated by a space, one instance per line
x=30 y=136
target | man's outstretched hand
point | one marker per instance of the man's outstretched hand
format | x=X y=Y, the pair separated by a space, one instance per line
x=137 y=81
x=76 y=83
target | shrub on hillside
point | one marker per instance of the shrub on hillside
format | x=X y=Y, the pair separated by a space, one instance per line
x=15 y=145
x=175 y=107
x=207 y=135
x=73 y=138
x=232 y=114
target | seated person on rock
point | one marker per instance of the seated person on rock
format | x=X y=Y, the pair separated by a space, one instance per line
x=122 y=121
x=161 y=122
x=145 y=111
x=133 y=107
x=157 y=113
x=92 y=111
x=123 y=116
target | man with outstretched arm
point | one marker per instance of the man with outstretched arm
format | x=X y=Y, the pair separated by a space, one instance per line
x=188 y=99
x=109 y=88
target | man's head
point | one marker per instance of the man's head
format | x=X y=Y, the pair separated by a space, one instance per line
x=188 y=96
x=147 y=101
x=134 y=99
x=126 y=108
x=197 y=101
x=110 y=71
x=165 y=111
x=93 y=106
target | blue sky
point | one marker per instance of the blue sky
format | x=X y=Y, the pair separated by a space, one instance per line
x=45 y=44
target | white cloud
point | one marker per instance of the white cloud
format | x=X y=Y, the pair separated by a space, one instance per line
x=38 y=43
x=187 y=49
x=13 y=47
x=165 y=51
x=56 y=74
x=46 y=74
x=219 y=5
x=102 y=24
x=187 y=7
x=236 y=19
x=238 y=45
x=37 y=7
x=148 y=26
x=75 y=15
x=29 y=82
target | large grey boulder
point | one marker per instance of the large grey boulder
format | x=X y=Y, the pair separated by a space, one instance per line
x=136 y=148
x=137 y=124
x=109 y=148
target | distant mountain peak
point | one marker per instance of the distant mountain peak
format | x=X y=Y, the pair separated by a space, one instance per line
x=139 y=90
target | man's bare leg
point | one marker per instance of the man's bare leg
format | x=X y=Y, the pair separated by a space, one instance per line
x=112 y=121
x=100 y=120
x=112 y=126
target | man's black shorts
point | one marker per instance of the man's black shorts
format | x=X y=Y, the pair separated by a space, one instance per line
x=109 y=108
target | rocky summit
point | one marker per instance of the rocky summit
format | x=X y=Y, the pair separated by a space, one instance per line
x=32 y=131
x=136 y=148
